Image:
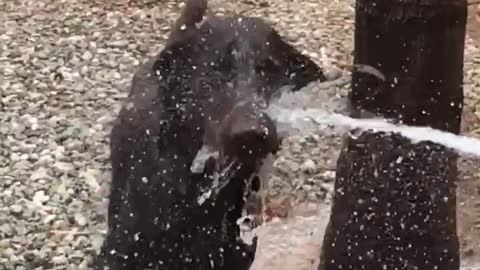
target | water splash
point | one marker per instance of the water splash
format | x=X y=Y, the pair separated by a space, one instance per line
x=292 y=116
x=220 y=180
x=205 y=152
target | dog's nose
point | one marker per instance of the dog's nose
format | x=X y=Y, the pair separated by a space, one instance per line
x=248 y=134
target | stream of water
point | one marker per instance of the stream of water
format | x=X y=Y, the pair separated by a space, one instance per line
x=292 y=116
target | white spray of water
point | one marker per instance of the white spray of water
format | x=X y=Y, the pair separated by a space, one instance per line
x=293 y=116
x=220 y=180
x=201 y=158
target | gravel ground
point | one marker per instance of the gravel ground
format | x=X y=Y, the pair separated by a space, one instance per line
x=66 y=65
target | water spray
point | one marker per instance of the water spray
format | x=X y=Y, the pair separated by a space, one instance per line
x=293 y=117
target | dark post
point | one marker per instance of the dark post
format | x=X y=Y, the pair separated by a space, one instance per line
x=395 y=204
x=418 y=46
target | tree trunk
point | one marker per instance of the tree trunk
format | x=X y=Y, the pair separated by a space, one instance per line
x=395 y=204
x=392 y=207
x=418 y=46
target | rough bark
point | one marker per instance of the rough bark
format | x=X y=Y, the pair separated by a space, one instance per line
x=418 y=47
x=395 y=204
x=392 y=207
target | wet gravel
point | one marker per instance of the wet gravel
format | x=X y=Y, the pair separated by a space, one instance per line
x=65 y=67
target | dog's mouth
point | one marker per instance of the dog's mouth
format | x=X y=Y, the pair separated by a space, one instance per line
x=237 y=146
x=220 y=178
x=256 y=185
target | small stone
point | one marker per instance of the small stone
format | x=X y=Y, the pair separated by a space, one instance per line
x=80 y=219
x=328 y=175
x=63 y=166
x=40 y=173
x=16 y=209
x=40 y=197
x=333 y=73
x=308 y=166
x=469 y=252
x=29 y=256
x=8 y=252
x=326 y=187
x=61 y=259
x=119 y=44
x=49 y=219
x=4 y=243
x=87 y=55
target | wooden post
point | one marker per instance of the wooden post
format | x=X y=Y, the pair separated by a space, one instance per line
x=418 y=46
x=394 y=205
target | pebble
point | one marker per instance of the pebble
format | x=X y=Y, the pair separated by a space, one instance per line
x=4 y=243
x=49 y=219
x=87 y=55
x=333 y=73
x=16 y=209
x=8 y=252
x=308 y=166
x=119 y=44
x=59 y=260
x=29 y=255
x=40 y=197
x=39 y=174
x=80 y=219
x=63 y=167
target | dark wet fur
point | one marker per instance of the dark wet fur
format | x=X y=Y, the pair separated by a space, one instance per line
x=189 y=95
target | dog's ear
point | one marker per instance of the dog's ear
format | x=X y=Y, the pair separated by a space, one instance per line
x=182 y=34
x=300 y=68
x=186 y=24
x=192 y=13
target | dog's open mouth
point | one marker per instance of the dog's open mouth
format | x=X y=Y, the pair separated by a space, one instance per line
x=254 y=193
